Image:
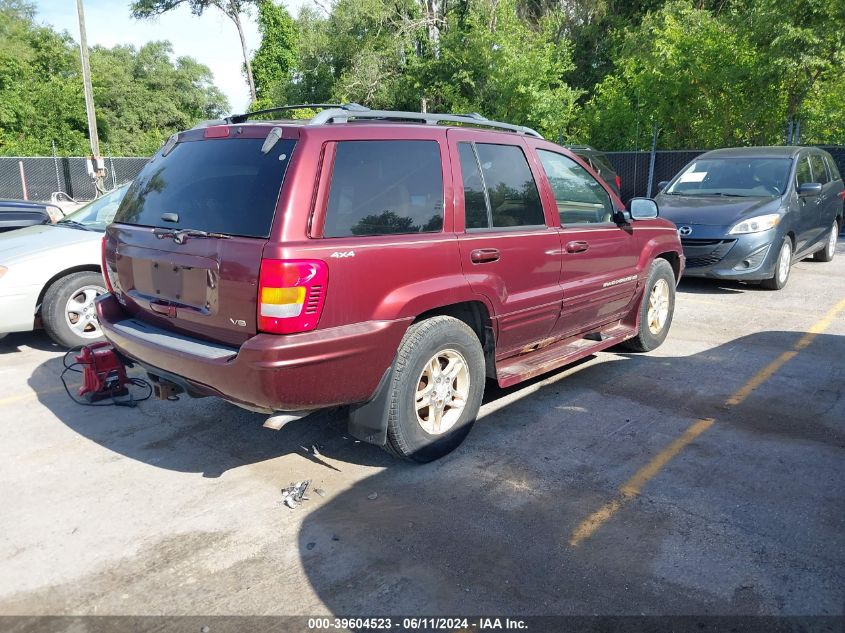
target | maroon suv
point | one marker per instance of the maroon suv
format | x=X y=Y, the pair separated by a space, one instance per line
x=381 y=260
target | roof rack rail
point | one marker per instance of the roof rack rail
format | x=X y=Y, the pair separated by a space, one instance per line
x=344 y=114
x=240 y=118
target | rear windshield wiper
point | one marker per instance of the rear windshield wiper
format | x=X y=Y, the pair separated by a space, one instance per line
x=76 y=225
x=180 y=236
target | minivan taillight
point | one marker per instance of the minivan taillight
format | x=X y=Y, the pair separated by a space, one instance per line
x=291 y=294
x=106 y=277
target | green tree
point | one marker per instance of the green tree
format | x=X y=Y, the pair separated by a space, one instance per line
x=232 y=9
x=693 y=75
x=142 y=95
x=275 y=59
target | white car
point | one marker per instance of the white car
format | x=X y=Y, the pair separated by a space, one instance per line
x=51 y=273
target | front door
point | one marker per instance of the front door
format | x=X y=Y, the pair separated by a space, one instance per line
x=808 y=208
x=510 y=252
x=599 y=268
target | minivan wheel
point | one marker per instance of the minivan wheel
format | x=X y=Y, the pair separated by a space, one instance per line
x=656 y=308
x=829 y=250
x=68 y=312
x=783 y=265
x=435 y=389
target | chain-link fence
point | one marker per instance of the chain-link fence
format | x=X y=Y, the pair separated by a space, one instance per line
x=44 y=175
x=41 y=176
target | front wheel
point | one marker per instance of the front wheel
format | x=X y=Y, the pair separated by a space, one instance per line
x=829 y=250
x=656 y=308
x=68 y=311
x=783 y=265
x=435 y=389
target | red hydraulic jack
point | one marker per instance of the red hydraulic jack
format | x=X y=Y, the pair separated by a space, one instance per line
x=103 y=372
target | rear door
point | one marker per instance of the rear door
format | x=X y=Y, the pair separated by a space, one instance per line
x=829 y=200
x=185 y=247
x=599 y=273
x=510 y=250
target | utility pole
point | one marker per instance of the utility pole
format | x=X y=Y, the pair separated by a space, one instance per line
x=96 y=166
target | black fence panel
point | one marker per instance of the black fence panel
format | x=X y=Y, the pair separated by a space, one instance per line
x=45 y=175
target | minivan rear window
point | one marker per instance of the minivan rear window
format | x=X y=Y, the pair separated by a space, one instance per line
x=223 y=186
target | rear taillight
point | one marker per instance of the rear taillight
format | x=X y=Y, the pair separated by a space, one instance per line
x=106 y=272
x=618 y=182
x=291 y=294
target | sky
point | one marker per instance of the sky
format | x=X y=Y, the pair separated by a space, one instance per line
x=211 y=39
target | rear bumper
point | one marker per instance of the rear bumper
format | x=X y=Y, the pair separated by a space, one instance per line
x=312 y=370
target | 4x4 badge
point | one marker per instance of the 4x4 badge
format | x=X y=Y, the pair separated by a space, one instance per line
x=342 y=254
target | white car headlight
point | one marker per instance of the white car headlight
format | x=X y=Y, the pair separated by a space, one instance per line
x=756 y=224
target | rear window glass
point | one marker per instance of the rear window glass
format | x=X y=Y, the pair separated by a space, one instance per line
x=511 y=190
x=385 y=187
x=221 y=186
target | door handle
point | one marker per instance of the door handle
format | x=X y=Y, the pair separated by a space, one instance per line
x=484 y=255
x=577 y=247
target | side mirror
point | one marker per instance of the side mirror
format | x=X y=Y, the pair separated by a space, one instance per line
x=643 y=208
x=809 y=189
x=662 y=185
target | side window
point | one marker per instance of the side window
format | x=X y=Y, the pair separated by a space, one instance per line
x=580 y=198
x=384 y=187
x=834 y=170
x=819 y=169
x=802 y=171
x=512 y=194
x=475 y=202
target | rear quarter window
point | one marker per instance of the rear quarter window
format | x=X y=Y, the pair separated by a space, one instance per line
x=385 y=187
x=223 y=186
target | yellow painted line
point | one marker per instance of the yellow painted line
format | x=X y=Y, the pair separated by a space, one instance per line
x=635 y=484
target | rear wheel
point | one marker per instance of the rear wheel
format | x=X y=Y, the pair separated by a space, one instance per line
x=783 y=265
x=68 y=312
x=829 y=250
x=435 y=389
x=656 y=308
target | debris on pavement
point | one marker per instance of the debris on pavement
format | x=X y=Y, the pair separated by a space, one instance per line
x=320 y=492
x=372 y=496
x=294 y=494
x=311 y=546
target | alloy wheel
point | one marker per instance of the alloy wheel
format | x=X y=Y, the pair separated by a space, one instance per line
x=658 y=306
x=80 y=313
x=442 y=392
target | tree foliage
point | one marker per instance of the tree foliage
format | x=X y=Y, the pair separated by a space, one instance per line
x=275 y=59
x=141 y=95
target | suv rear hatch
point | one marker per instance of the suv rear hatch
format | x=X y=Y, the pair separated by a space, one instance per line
x=184 y=252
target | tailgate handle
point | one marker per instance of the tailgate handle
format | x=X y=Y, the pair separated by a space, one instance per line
x=166 y=309
x=482 y=255
x=577 y=247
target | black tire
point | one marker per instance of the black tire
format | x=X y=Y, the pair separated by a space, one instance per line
x=406 y=438
x=646 y=340
x=827 y=253
x=54 y=307
x=778 y=281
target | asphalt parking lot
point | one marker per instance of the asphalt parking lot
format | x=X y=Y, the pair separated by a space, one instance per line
x=705 y=477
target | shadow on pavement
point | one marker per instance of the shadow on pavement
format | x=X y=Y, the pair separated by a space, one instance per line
x=36 y=340
x=747 y=520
